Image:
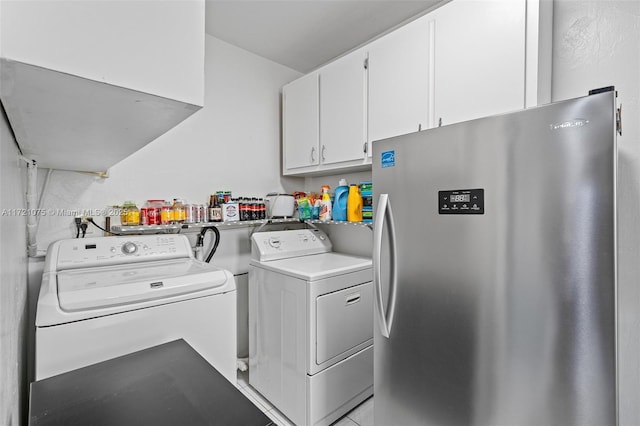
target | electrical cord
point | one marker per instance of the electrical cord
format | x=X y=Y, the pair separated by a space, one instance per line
x=200 y=241
x=84 y=227
x=90 y=220
x=78 y=222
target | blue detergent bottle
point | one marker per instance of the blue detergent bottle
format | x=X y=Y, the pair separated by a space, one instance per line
x=340 y=201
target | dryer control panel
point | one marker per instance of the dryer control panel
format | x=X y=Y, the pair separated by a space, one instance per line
x=275 y=245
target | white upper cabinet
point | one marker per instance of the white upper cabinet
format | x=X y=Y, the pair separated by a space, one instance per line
x=465 y=60
x=398 y=81
x=479 y=59
x=86 y=83
x=343 y=110
x=301 y=124
x=324 y=118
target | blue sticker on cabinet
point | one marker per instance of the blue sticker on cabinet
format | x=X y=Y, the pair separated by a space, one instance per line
x=388 y=159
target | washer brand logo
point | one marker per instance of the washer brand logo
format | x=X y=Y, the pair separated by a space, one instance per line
x=388 y=159
x=578 y=122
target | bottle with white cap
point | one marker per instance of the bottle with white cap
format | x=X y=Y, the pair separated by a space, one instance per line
x=325 y=204
x=340 y=201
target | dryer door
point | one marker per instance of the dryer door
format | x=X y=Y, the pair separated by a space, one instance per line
x=344 y=321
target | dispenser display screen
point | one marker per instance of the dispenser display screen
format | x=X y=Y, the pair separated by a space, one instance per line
x=460 y=198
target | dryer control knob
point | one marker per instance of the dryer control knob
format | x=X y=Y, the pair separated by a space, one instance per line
x=274 y=242
x=129 y=248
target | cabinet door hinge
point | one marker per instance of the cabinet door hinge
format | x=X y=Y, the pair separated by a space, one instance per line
x=619 y=120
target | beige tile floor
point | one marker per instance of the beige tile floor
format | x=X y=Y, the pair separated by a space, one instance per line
x=362 y=415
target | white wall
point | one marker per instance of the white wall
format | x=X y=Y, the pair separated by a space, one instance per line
x=233 y=143
x=596 y=44
x=13 y=279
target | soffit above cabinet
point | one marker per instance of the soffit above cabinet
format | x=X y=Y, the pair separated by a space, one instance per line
x=68 y=122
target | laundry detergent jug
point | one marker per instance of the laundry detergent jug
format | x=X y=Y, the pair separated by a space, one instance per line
x=340 y=196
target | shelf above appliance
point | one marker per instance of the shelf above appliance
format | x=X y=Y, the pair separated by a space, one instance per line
x=195 y=227
x=68 y=122
x=339 y=222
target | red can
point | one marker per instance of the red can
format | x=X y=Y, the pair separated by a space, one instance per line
x=144 y=215
x=152 y=209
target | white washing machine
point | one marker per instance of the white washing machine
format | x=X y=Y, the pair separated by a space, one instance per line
x=105 y=297
x=310 y=326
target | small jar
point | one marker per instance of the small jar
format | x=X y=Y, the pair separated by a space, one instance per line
x=179 y=212
x=166 y=213
x=130 y=215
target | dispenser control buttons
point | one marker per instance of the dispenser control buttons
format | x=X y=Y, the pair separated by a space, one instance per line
x=461 y=201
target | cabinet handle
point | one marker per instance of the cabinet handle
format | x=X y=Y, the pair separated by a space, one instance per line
x=323 y=148
x=440 y=122
x=313 y=150
x=364 y=147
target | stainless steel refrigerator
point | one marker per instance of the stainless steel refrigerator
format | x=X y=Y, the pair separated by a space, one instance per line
x=495 y=270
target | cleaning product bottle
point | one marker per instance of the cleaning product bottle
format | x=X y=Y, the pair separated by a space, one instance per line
x=315 y=211
x=340 y=201
x=325 y=204
x=354 y=204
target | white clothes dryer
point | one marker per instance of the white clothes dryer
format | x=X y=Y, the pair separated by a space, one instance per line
x=310 y=326
x=105 y=297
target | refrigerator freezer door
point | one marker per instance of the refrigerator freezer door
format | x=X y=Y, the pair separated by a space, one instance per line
x=384 y=310
x=505 y=316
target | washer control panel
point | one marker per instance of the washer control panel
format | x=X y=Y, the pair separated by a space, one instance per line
x=102 y=251
x=276 y=245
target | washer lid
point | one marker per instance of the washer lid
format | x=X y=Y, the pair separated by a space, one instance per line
x=317 y=266
x=100 y=287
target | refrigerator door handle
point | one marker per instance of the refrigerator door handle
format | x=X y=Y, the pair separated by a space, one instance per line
x=384 y=216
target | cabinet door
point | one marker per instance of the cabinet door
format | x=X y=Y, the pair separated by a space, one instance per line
x=343 y=109
x=300 y=123
x=398 y=81
x=479 y=59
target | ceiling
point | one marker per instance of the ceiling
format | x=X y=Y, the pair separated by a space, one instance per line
x=304 y=34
